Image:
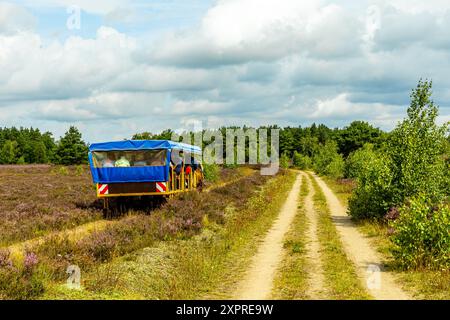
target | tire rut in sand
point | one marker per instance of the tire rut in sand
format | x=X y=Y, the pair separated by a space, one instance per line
x=315 y=269
x=258 y=281
x=379 y=282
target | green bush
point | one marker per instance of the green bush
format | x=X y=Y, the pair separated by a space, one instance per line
x=285 y=161
x=373 y=194
x=301 y=161
x=416 y=148
x=412 y=162
x=211 y=172
x=328 y=161
x=335 y=168
x=422 y=237
x=358 y=161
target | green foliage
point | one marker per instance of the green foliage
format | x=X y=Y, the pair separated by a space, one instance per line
x=8 y=152
x=287 y=142
x=39 y=154
x=422 y=237
x=356 y=135
x=328 y=161
x=143 y=136
x=358 y=161
x=285 y=161
x=305 y=140
x=301 y=161
x=71 y=148
x=373 y=195
x=416 y=148
x=411 y=163
x=211 y=172
x=25 y=146
x=335 y=168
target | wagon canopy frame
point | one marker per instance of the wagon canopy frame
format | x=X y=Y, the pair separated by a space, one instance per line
x=148 y=173
x=135 y=145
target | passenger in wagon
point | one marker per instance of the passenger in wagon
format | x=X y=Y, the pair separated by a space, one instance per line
x=139 y=160
x=108 y=163
x=122 y=162
x=177 y=160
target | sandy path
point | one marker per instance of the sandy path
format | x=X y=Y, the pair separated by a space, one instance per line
x=258 y=281
x=379 y=283
x=314 y=268
x=17 y=249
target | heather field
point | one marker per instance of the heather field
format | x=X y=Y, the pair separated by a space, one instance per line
x=43 y=209
x=38 y=199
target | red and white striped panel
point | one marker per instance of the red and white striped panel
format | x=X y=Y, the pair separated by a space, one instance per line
x=161 y=187
x=103 y=189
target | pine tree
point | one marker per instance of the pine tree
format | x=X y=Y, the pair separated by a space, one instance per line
x=71 y=148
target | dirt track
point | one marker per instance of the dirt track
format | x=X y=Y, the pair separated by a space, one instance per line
x=380 y=284
x=257 y=284
x=258 y=280
x=315 y=270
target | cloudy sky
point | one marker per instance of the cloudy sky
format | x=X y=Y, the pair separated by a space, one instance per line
x=132 y=66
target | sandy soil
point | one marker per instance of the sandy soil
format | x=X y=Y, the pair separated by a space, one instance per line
x=379 y=283
x=316 y=289
x=76 y=233
x=258 y=280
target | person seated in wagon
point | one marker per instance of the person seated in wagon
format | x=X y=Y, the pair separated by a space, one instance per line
x=123 y=161
x=140 y=160
x=108 y=162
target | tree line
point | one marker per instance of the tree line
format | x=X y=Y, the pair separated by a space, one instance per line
x=30 y=146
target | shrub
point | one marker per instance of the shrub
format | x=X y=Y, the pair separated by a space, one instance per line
x=358 y=161
x=373 y=194
x=411 y=163
x=328 y=161
x=421 y=235
x=285 y=161
x=301 y=161
x=100 y=245
x=416 y=148
x=20 y=282
x=211 y=172
x=335 y=168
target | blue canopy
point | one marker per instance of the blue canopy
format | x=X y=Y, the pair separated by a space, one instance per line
x=136 y=174
x=131 y=145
